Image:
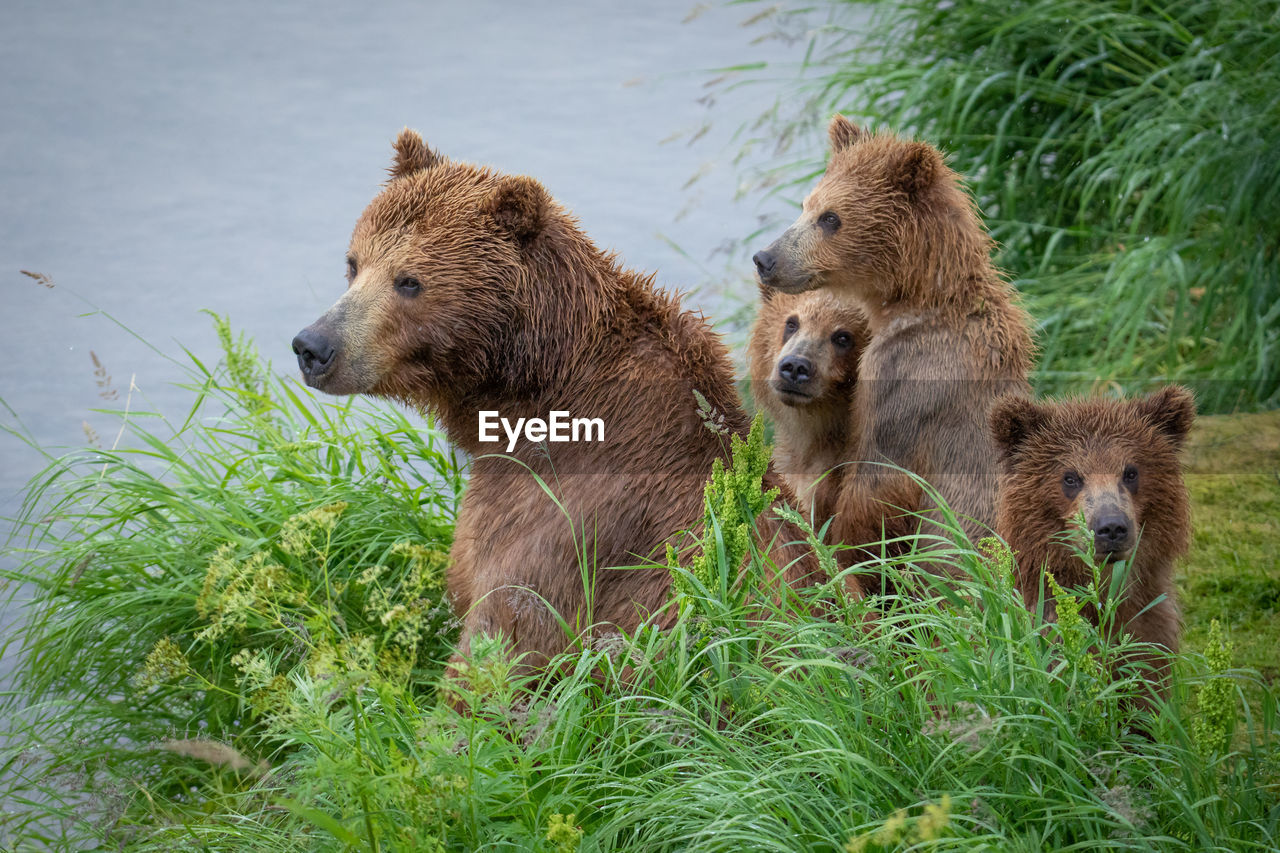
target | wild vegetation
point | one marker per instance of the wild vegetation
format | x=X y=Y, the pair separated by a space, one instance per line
x=238 y=629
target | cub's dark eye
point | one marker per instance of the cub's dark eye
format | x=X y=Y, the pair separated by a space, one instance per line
x=829 y=220
x=842 y=340
x=1131 y=475
x=791 y=327
x=351 y=269
x=1071 y=483
x=408 y=285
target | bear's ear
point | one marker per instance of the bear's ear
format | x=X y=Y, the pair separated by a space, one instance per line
x=916 y=168
x=1013 y=420
x=1171 y=410
x=412 y=155
x=519 y=206
x=843 y=133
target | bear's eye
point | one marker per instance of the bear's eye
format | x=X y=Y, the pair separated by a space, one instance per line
x=1131 y=476
x=842 y=340
x=791 y=327
x=1071 y=483
x=351 y=269
x=829 y=220
x=408 y=285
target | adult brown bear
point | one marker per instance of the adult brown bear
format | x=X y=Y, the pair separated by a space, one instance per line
x=474 y=295
x=890 y=229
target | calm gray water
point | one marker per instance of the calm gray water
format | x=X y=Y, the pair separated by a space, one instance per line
x=158 y=158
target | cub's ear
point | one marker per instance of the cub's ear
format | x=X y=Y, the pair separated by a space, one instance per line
x=916 y=168
x=1013 y=420
x=843 y=133
x=519 y=206
x=412 y=155
x=1172 y=410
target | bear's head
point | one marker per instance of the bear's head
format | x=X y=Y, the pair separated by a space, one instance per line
x=886 y=223
x=1114 y=463
x=439 y=288
x=804 y=350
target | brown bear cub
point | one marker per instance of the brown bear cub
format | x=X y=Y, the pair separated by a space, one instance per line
x=1114 y=464
x=890 y=229
x=474 y=295
x=802 y=360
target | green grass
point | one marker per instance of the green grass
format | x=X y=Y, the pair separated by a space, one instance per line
x=1233 y=570
x=214 y=661
x=1124 y=155
x=223 y=551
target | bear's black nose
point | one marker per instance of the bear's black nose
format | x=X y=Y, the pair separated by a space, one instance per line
x=795 y=369
x=764 y=261
x=1110 y=533
x=314 y=352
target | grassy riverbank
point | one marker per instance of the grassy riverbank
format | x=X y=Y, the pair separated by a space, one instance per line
x=238 y=636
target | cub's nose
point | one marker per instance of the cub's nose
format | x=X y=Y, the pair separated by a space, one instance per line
x=764 y=261
x=1111 y=533
x=315 y=352
x=795 y=369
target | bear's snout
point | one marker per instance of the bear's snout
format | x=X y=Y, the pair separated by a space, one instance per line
x=315 y=351
x=778 y=265
x=795 y=370
x=1112 y=533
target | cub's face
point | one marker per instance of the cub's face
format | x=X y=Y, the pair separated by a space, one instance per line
x=805 y=348
x=851 y=228
x=1112 y=463
x=434 y=278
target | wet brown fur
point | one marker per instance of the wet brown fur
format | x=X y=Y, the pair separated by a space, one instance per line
x=811 y=438
x=947 y=335
x=518 y=312
x=1096 y=440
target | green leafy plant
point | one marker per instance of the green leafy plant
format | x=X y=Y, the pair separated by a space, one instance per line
x=1215 y=720
x=734 y=497
x=204 y=580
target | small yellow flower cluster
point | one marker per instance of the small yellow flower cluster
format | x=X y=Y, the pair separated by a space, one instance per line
x=1215 y=721
x=274 y=703
x=233 y=590
x=564 y=833
x=426 y=566
x=371 y=575
x=269 y=692
x=998 y=555
x=733 y=498
x=255 y=667
x=899 y=830
x=1071 y=625
x=298 y=533
x=453 y=783
x=165 y=663
x=1091 y=677
x=406 y=608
